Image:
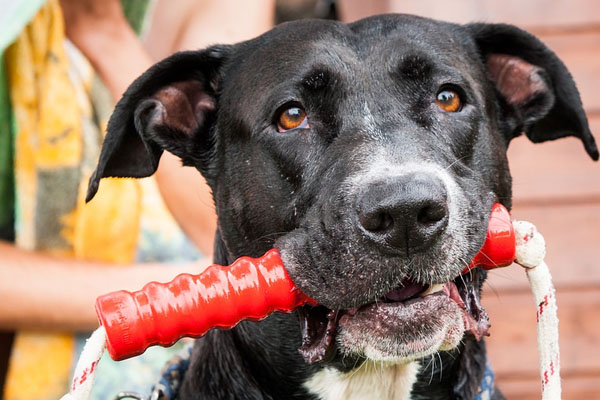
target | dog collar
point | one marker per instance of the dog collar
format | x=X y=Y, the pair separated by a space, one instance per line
x=486 y=387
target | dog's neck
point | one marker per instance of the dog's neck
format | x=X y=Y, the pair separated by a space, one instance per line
x=370 y=381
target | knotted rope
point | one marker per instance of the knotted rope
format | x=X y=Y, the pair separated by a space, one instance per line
x=530 y=253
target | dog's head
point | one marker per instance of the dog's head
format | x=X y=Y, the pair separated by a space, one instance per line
x=370 y=154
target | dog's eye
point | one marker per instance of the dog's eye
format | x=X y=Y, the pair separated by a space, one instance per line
x=448 y=100
x=292 y=118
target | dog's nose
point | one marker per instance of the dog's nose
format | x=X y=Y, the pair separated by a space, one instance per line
x=407 y=212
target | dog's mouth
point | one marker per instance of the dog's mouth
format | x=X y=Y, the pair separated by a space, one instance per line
x=410 y=321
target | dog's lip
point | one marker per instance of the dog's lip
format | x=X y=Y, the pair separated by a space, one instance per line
x=320 y=324
x=474 y=316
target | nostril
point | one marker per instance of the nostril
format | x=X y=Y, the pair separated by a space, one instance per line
x=386 y=222
x=376 y=222
x=431 y=214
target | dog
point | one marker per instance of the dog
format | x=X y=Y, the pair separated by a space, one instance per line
x=370 y=155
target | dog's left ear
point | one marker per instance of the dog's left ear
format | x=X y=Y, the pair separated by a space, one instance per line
x=536 y=91
x=172 y=107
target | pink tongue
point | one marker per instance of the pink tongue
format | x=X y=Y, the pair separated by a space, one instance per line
x=452 y=292
x=478 y=327
x=405 y=291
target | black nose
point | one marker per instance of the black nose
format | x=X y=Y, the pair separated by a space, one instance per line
x=407 y=212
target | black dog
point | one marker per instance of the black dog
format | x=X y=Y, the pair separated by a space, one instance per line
x=370 y=155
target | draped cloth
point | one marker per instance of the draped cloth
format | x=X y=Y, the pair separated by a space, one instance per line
x=59 y=112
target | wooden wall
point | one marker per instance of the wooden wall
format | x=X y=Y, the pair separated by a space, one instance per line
x=557 y=187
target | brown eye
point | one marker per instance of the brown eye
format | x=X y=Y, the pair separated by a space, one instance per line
x=292 y=118
x=448 y=100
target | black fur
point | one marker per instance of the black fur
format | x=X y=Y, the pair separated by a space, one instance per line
x=368 y=89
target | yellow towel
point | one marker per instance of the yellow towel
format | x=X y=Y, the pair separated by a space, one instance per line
x=57 y=145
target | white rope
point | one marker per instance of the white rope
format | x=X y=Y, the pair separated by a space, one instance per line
x=85 y=370
x=530 y=252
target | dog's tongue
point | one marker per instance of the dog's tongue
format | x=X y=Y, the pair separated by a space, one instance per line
x=405 y=291
x=475 y=317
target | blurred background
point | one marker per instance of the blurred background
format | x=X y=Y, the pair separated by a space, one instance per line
x=556 y=185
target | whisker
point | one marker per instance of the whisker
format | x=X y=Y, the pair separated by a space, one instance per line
x=457 y=160
x=432 y=369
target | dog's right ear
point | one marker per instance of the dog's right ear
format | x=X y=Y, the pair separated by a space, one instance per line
x=536 y=91
x=170 y=107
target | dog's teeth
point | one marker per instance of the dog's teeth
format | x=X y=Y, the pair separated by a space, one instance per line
x=433 y=289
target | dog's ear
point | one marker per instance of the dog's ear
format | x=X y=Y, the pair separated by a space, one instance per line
x=170 y=107
x=536 y=91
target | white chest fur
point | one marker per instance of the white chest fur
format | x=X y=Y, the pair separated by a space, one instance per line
x=371 y=381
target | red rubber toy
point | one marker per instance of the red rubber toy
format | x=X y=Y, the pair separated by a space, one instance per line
x=221 y=297
x=190 y=305
x=498 y=250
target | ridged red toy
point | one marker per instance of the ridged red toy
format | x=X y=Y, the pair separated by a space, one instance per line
x=498 y=250
x=222 y=296
x=190 y=305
